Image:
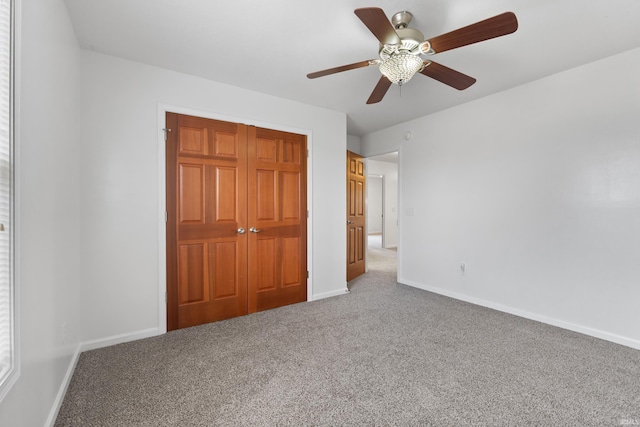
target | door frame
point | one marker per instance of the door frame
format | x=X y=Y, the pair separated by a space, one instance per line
x=401 y=212
x=163 y=109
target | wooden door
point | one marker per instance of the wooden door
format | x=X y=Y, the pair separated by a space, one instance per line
x=356 y=216
x=277 y=219
x=206 y=206
x=222 y=180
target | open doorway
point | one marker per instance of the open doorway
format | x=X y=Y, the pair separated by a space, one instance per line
x=375 y=210
x=382 y=211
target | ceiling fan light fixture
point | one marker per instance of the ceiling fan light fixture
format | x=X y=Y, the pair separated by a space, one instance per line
x=399 y=68
x=425 y=48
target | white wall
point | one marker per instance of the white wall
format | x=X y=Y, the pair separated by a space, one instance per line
x=121 y=183
x=353 y=144
x=390 y=173
x=49 y=210
x=374 y=204
x=537 y=190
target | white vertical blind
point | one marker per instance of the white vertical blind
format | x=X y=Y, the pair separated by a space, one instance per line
x=6 y=193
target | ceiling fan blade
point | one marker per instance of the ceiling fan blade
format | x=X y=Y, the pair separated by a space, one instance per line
x=447 y=75
x=378 y=23
x=339 y=69
x=497 y=26
x=379 y=91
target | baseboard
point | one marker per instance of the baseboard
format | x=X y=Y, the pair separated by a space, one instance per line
x=86 y=346
x=118 y=339
x=57 y=403
x=324 y=295
x=597 y=333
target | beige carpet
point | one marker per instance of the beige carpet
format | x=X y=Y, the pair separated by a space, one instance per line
x=383 y=355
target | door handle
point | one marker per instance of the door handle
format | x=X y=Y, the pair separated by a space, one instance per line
x=349 y=222
x=254 y=230
x=241 y=230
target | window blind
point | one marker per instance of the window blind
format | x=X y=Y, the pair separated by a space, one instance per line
x=6 y=194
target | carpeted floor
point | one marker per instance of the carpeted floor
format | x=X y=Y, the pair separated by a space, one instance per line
x=385 y=354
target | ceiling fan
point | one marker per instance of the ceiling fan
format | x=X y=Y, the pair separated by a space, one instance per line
x=401 y=48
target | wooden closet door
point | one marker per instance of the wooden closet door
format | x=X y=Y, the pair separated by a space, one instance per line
x=206 y=211
x=277 y=269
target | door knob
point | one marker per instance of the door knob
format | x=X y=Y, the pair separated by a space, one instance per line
x=349 y=222
x=241 y=230
x=254 y=230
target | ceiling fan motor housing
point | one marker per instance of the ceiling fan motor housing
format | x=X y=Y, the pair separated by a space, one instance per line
x=410 y=40
x=410 y=37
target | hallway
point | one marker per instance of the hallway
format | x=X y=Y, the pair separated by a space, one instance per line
x=379 y=259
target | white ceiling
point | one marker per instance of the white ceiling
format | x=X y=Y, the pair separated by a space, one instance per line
x=270 y=46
